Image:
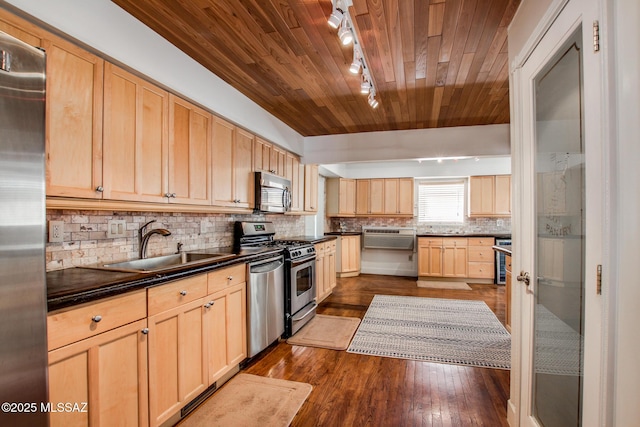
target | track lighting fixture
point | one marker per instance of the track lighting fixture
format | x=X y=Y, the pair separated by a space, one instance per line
x=340 y=19
x=365 y=86
x=337 y=14
x=373 y=102
x=344 y=33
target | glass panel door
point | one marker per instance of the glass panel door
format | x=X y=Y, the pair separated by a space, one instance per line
x=560 y=239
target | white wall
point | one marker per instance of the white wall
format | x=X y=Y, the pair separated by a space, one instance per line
x=488 y=140
x=109 y=29
x=626 y=218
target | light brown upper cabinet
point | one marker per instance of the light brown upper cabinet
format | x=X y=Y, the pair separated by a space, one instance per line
x=389 y=196
x=135 y=149
x=269 y=158
x=232 y=166
x=73 y=121
x=294 y=172
x=341 y=197
x=189 y=153
x=311 y=188
x=490 y=195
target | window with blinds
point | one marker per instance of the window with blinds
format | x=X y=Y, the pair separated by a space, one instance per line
x=441 y=201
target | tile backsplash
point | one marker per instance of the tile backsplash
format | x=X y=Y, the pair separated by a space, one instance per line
x=86 y=241
x=471 y=225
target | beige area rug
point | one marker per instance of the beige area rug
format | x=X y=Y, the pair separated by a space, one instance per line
x=250 y=400
x=332 y=332
x=443 y=285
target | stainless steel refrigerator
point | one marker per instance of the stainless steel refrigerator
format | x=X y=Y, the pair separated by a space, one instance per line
x=23 y=337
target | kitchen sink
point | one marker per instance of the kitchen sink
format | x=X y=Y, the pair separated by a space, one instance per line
x=165 y=262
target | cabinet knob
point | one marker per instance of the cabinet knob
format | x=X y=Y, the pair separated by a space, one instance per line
x=145 y=331
x=209 y=304
x=183 y=293
x=96 y=318
x=167 y=195
x=99 y=188
x=173 y=195
x=230 y=278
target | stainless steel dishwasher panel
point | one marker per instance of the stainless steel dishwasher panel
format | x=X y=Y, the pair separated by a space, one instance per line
x=265 y=297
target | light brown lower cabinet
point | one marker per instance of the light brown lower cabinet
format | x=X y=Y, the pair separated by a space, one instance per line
x=98 y=357
x=325 y=269
x=454 y=257
x=139 y=358
x=348 y=256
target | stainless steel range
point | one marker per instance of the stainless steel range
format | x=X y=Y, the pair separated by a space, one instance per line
x=299 y=267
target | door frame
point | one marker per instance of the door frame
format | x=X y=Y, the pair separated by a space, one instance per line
x=596 y=408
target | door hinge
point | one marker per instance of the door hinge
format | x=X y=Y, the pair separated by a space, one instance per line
x=599 y=279
x=596 y=36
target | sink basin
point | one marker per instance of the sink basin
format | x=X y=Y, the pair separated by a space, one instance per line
x=159 y=263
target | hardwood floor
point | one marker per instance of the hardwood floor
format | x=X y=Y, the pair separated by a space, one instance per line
x=359 y=390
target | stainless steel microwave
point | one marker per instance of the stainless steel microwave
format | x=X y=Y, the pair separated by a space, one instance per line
x=273 y=193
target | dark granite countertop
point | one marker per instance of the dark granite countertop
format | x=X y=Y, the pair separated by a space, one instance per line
x=78 y=285
x=343 y=233
x=506 y=249
x=313 y=239
x=496 y=235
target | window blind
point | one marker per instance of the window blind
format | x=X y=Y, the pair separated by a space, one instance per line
x=441 y=201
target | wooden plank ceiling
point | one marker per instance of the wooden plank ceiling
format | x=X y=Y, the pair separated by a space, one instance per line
x=434 y=63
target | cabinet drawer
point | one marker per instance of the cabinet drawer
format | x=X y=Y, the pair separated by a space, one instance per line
x=170 y=295
x=483 y=270
x=481 y=241
x=429 y=241
x=320 y=248
x=455 y=242
x=73 y=324
x=481 y=253
x=330 y=246
x=220 y=279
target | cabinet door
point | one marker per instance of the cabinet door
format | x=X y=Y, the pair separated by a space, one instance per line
x=454 y=261
x=189 y=153
x=242 y=170
x=362 y=196
x=108 y=372
x=377 y=199
x=278 y=161
x=405 y=196
x=222 y=167
x=347 y=198
x=177 y=372
x=429 y=257
x=390 y=196
x=261 y=155
x=311 y=188
x=20 y=29
x=135 y=145
x=73 y=121
x=350 y=254
x=503 y=195
x=297 y=182
x=331 y=261
x=481 y=195
x=320 y=292
x=225 y=325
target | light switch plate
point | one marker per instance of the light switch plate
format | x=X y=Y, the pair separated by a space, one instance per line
x=116 y=228
x=56 y=231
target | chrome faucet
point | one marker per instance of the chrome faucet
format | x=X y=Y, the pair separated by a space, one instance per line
x=143 y=238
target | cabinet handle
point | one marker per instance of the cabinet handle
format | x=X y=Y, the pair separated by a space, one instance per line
x=183 y=293
x=99 y=188
x=230 y=278
x=96 y=318
x=145 y=331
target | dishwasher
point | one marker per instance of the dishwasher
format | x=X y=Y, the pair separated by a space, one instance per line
x=265 y=303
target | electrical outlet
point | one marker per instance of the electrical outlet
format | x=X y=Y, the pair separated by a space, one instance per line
x=56 y=231
x=116 y=228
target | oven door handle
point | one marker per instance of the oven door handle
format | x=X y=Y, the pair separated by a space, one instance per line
x=311 y=310
x=299 y=262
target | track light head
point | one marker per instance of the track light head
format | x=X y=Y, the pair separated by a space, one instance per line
x=345 y=34
x=335 y=18
x=365 y=86
x=373 y=102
